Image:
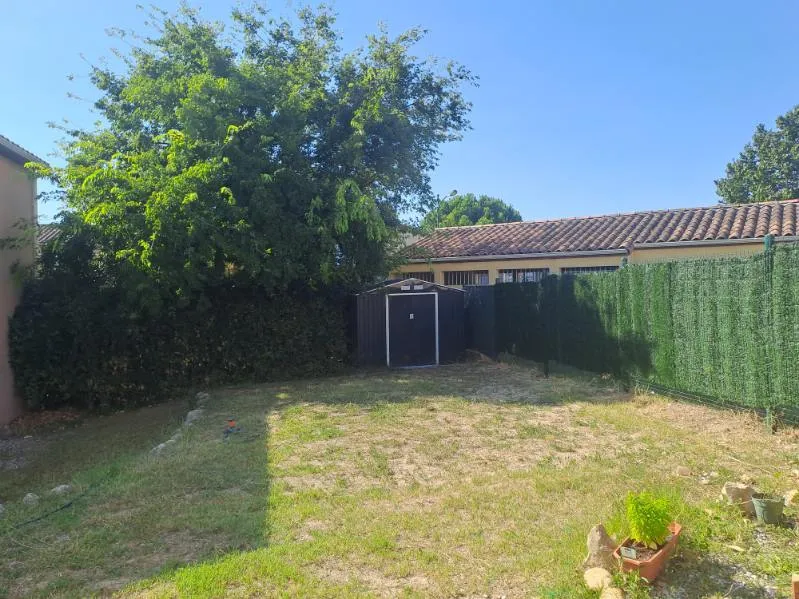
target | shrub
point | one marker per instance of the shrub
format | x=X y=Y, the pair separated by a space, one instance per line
x=649 y=518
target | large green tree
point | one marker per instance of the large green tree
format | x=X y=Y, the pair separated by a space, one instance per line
x=469 y=209
x=257 y=153
x=768 y=167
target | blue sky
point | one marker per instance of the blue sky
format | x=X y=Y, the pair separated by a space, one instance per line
x=583 y=107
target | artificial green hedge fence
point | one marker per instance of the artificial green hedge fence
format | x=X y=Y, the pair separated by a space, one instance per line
x=722 y=328
x=75 y=347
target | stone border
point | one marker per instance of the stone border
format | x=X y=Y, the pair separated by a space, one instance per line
x=201 y=400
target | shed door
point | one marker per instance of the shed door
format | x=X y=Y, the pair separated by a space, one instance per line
x=412 y=329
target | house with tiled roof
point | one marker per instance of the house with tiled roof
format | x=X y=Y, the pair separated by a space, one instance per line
x=528 y=251
x=17 y=208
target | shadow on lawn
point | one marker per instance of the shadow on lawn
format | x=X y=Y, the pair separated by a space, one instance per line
x=135 y=514
x=693 y=574
x=555 y=320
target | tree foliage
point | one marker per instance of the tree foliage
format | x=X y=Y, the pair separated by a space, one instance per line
x=768 y=167
x=468 y=209
x=259 y=154
x=76 y=341
x=240 y=182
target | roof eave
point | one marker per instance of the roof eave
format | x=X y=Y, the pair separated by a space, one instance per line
x=17 y=153
x=614 y=252
x=711 y=242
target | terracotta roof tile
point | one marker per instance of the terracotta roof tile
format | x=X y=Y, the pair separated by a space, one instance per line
x=612 y=232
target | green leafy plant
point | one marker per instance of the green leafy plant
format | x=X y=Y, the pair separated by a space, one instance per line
x=632 y=584
x=649 y=517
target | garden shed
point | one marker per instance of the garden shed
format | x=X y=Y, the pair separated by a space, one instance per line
x=410 y=323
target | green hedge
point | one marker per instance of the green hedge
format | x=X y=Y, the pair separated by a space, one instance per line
x=76 y=347
x=725 y=328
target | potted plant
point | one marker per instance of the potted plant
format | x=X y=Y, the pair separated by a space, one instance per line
x=653 y=536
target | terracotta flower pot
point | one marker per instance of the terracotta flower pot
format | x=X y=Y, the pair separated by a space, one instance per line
x=653 y=567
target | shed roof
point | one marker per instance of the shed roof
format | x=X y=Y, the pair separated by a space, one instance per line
x=615 y=232
x=410 y=284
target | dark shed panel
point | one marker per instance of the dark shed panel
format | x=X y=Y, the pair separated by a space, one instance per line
x=450 y=326
x=371 y=327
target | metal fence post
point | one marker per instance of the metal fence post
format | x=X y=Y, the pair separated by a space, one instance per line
x=768 y=249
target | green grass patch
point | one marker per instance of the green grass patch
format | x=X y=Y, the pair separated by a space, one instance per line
x=471 y=480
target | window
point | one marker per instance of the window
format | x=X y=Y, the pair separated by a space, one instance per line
x=522 y=275
x=422 y=275
x=466 y=277
x=584 y=270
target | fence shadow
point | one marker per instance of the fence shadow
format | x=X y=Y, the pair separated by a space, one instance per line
x=557 y=319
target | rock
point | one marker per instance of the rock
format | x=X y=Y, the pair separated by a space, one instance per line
x=193 y=416
x=612 y=593
x=792 y=497
x=202 y=398
x=162 y=446
x=682 y=471
x=597 y=579
x=741 y=495
x=600 y=549
x=61 y=490
x=795 y=472
x=30 y=499
x=158 y=448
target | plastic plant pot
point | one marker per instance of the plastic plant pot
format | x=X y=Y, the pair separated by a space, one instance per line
x=768 y=508
x=653 y=567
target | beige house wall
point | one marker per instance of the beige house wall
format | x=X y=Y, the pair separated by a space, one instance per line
x=494 y=266
x=693 y=252
x=555 y=264
x=17 y=203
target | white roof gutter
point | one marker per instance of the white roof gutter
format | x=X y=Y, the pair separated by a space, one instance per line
x=710 y=242
x=618 y=252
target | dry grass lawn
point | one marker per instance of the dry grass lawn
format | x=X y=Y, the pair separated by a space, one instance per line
x=463 y=481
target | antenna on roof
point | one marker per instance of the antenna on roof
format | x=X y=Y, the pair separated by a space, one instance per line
x=451 y=194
